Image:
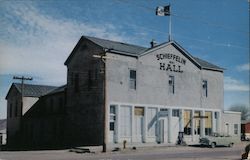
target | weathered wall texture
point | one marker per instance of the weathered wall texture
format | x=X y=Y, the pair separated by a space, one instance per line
x=85 y=104
x=43 y=124
x=153 y=81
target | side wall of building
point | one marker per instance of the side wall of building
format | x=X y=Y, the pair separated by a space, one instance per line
x=43 y=124
x=14 y=115
x=85 y=98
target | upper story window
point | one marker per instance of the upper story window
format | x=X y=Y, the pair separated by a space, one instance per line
x=10 y=111
x=89 y=79
x=132 y=79
x=76 y=84
x=204 y=88
x=171 y=84
x=16 y=109
x=72 y=78
x=61 y=106
x=52 y=108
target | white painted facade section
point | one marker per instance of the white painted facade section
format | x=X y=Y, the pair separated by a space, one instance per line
x=160 y=98
x=155 y=126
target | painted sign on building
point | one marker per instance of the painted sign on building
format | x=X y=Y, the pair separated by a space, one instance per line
x=174 y=63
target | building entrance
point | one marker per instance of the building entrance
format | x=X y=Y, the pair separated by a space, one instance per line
x=138 y=125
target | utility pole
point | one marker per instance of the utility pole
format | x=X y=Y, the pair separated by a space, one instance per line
x=105 y=130
x=103 y=58
x=22 y=88
x=21 y=114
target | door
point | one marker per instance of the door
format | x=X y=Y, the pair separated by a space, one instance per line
x=138 y=128
x=138 y=124
x=161 y=130
x=125 y=123
x=112 y=123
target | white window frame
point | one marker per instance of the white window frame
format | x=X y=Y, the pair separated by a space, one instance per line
x=132 y=80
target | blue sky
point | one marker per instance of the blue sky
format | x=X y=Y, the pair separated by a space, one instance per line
x=37 y=36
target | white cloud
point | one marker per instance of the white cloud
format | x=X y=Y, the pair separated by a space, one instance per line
x=244 y=67
x=231 y=84
x=37 y=44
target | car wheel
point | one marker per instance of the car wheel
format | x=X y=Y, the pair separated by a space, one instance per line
x=230 y=145
x=213 y=145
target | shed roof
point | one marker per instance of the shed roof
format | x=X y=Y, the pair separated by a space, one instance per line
x=57 y=90
x=31 y=90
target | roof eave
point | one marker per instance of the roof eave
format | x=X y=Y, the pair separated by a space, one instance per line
x=122 y=53
x=213 y=69
x=76 y=47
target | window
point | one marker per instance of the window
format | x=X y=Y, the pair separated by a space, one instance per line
x=235 y=128
x=132 y=81
x=171 y=84
x=72 y=78
x=10 y=113
x=51 y=105
x=164 y=109
x=204 y=88
x=215 y=115
x=16 y=109
x=76 y=86
x=61 y=104
x=175 y=113
x=139 y=111
x=112 y=118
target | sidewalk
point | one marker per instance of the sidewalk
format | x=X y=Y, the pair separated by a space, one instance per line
x=119 y=147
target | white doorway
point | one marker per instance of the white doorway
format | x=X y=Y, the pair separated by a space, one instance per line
x=163 y=130
x=138 y=123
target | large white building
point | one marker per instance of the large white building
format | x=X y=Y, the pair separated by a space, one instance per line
x=152 y=94
x=149 y=95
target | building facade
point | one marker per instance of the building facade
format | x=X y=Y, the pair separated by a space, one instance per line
x=141 y=95
x=17 y=108
x=3 y=132
x=151 y=94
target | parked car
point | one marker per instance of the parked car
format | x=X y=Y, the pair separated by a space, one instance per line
x=217 y=139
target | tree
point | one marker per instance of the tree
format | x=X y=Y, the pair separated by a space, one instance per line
x=243 y=109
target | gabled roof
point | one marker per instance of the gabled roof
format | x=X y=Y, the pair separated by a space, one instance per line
x=111 y=46
x=207 y=65
x=137 y=51
x=117 y=46
x=31 y=90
